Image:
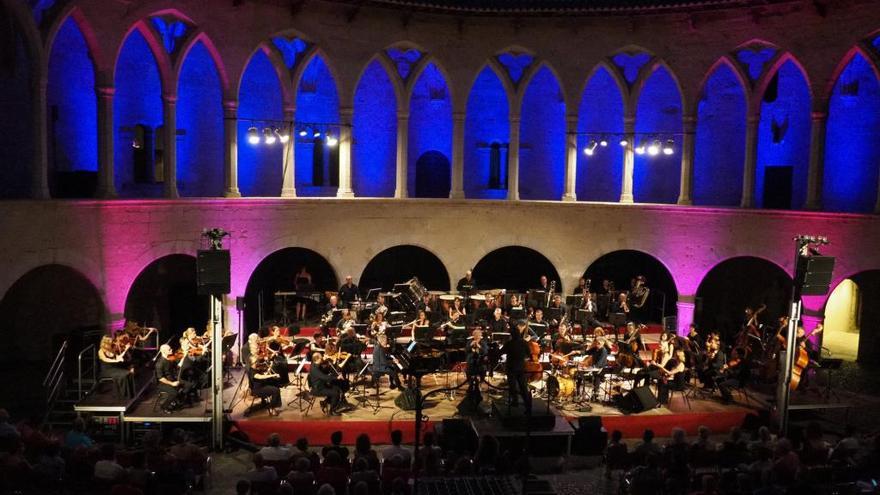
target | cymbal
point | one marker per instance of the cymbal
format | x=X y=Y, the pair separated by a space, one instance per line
x=436 y=292
x=477 y=297
x=448 y=297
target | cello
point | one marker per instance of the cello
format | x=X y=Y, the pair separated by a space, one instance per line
x=534 y=370
x=802 y=359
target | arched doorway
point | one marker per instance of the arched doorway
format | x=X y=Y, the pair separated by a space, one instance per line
x=515 y=268
x=622 y=267
x=852 y=320
x=735 y=284
x=42 y=308
x=276 y=273
x=432 y=175
x=165 y=295
x=400 y=263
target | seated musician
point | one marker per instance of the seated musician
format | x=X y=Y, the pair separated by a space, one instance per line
x=633 y=336
x=563 y=343
x=456 y=329
x=426 y=304
x=598 y=351
x=457 y=307
x=582 y=288
x=620 y=305
x=712 y=362
x=263 y=381
x=138 y=336
x=380 y=305
x=673 y=375
x=331 y=312
x=168 y=380
x=475 y=359
x=349 y=291
x=515 y=303
x=537 y=326
x=278 y=343
x=420 y=326
x=733 y=374
x=115 y=366
x=498 y=323
x=352 y=344
x=322 y=384
x=382 y=364
x=345 y=322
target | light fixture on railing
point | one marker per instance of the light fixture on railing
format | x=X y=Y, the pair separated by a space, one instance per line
x=253 y=136
x=591 y=148
x=668 y=148
x=269 y=136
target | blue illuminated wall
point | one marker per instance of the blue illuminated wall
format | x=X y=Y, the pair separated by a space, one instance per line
x=138 y=101
x=200 y=116
x=487 y=122
x=789 y=114
x=656 y=178
x=430 y=120
x=259 y=167
x=15 y=127
x=852 y=157
x=374 y=153
x=601 y=109
x=73 y=110
x=719 y=152
x=316 y=101
x=542 y=139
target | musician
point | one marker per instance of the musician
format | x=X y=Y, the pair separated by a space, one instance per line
x=346 y=321
x=456 y=332
x=498 y=323
x=517 y=351
x=349 y=291
x=277 y=344
x=693 y=341
x=637 y=300
x=457 y=307
x=543 y=284
x=733 y=374
x=466 y=284
x=633 y=335
x=420 y=325
x=712 y=362
x=598 y=351
x=263 y=379
x=673 y=375
x=475 y=358
x=351 y=343
x=334 y=304
x=582 y=288
x=323 y=384
x=382 y=363
x=538 y=327
x=115 y=367
x=621 y=305
x=303 y=283
x=168 y=380
x=137 y=335
x=427 y=303
x=380 y=305
x=563 y=344
x=607 y=287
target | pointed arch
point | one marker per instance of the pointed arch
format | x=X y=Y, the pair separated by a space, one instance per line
x=658 y=104
x=736 y=70
x=779 y=60
x=719 y=148
x=374 y=130
x=278 y=67
x=486 y=136
x=317 y=101
x=430 y=131
x=202 y=37
x=648 y=71
x=313 y=53
x=163 y=62
x=419 y=69
x=96 y=52
x=615 y=76
x=857 y=50
x=493 y=65
x=536 y=67
x=542 y=143
x=601 y=108
x=388 y=66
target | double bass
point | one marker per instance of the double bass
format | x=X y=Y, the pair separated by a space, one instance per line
x=534 y=370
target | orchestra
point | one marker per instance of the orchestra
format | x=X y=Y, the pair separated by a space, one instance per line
x=536 y=355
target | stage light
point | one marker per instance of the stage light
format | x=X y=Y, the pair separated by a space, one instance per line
x=668 y=149
x=303 y=133
x=654 y=148
x=624 y=142
x=283 y=135
x=640 y=149
x=316 y=134
x=331 y=140
x=603 y=142
x=253 y=136
x=268 y=136
x=590 y=149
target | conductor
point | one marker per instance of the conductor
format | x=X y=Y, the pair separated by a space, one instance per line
x=517 y=351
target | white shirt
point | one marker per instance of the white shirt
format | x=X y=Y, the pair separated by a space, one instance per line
x=275 y=453
x=393 y=450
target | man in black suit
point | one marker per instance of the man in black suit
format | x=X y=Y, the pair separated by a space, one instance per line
x=466 y=284
x=517 y=351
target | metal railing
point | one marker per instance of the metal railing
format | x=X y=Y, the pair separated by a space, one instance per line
x=55 y=377
x=79 y=364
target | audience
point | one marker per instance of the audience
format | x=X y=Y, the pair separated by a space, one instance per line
x=107 y=469
x=77 y=437
x=274 y=451
x=396 y=449
x=261 y=473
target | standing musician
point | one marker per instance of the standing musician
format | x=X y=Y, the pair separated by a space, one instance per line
x=115 y=366
x=466 y=284
x=637 y=299
x=712 y=362
x=303 y=283
x=348 y=292
x=621 y=306
x=543 y=284
x=583 y=288
x=517 y=351
x=169 y=382
x=382 y=364
x=733 y=374
x=323 y=384
x=475 y=358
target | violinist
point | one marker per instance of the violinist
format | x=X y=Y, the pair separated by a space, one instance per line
x=382 y=364
x=475 y=359
x=277 y=344
x=168 y=380
x=137 y=335
x=322 y=384
x=713 y=361
x=263 y=380
x=673 y=375
x=115 y=367
x=733 y=374
x=632 y=337
x=188 y=363
x=350 y=343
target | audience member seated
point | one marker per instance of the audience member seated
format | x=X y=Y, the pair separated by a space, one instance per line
x=734 y=450
x=394 y=468
x=50 y=467
x=333 y=472
x=363 y=450
x=396 y=449
x=302 y=450
x=243 y=487
x=429 y=449
x=786 y=463
x=274 y=451
x=646 y=447
x=77 y=437
x=616 y=453
x=8 y=432
x=487 y=456
x=138 y=475
x=363 y=473
x=326 y=489
x=675 y=457
x=815 y=449
x=261 y=474
x=107 y=469
x=301 y=478
x=336 y=446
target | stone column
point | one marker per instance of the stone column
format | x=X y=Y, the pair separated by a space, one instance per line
x=513 y=160
x=629 y=159
x=751 y=162
x=689 y=130
x=457 y=191
x=400 y=190
x=877 y=203
x=40 y=158
x=230 y=160
x=106 y=173
x=288 y=160
x=169 y=115
x=685 y=315
x=816 y=172
x=571 y=157
x=345 y=190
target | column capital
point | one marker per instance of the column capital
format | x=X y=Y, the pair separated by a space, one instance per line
x=230 y=104
x=402 y=115
x=819 y=116
x=689 y=123
x=753 y=119
x=289 y=110
x=105 y=91
x=515 y=118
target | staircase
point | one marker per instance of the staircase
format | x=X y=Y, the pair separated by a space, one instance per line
x=63 y=389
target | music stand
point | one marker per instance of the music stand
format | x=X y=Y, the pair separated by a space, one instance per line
x=422 y=333
x=617 y=320
x=553 y=314
x=584 y=317
x=360 y=329
x=373 y=294
x=537 y=298
x=517 y=314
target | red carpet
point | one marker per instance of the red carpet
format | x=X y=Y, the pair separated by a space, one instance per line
x=633 y=426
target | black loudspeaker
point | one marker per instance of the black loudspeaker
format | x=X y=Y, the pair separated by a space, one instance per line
x=470 y=404
x=239 y=303
x=406 y=400
x=814 y=274
x=640 y=399
x=213 y=271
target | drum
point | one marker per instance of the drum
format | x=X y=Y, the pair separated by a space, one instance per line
x=560 y=386
x=477 y=297
x=448 y=297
